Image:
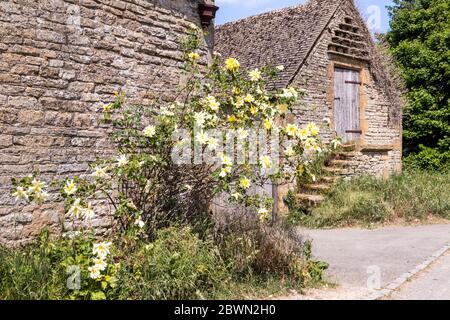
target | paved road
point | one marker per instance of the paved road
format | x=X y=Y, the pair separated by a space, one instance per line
x=359 y=257
x=431 y=284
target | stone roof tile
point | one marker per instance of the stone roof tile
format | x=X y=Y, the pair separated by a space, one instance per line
x=281 y=37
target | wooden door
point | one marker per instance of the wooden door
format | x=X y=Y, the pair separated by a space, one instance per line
x=346 y=104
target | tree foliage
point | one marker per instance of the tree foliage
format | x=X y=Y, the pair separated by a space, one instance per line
x=420 y=41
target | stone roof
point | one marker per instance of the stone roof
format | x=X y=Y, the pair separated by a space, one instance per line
x=282 y=37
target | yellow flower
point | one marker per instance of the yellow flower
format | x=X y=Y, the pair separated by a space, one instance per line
x=249 y=98
x=313 y=129
x=149 y=131
x=254 y=110
x=232 y=118
x=239 y=102
x=236 y=90
x=266 y=162
x=255 y=75
x=193 y=56
x=36 y=186
x=268 y=123
x=282 y=108
x=301 y=169
x=303 y=133
x=232 y=64
x=107 y=108
x=70 y=187
x=291 y=130
x=211 y=102
x=245 y=183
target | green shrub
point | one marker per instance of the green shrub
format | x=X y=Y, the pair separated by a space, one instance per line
x=177 y=265
x=367 y=200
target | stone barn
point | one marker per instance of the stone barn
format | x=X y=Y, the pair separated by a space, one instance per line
x=60 y=62
x=327 y=51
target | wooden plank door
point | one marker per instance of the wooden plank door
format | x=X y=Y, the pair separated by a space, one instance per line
x=346 y=104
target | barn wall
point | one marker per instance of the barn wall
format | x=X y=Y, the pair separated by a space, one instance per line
x=60 y=62
x=379 y=149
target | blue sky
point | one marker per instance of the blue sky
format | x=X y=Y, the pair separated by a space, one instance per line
x=374 y=11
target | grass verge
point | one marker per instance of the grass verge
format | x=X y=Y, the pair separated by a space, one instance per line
x=366 y=201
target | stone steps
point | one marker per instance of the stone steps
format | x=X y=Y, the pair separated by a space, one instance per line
x=338 y=163
x=312 y=195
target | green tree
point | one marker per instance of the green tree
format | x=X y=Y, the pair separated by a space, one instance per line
x=420 y=41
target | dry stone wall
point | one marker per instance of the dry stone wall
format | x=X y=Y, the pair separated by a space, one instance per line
x=62 y=60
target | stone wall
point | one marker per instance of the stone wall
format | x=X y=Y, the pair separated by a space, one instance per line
x=60 y=62
x=379 y=147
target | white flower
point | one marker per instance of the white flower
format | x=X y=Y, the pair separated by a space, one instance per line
x=289 y=152
x=122 y=160
x=280 y=68
x=200 y=118
x=100 y=172
x=225 y=171
x=264 y=214
x=101 y=249
x=20 y=194
x=213 y=143
x=139 y=223
x=242 y=134
x=211 y=102
x=76 y=210
x=255 y=75
x=94 y=272
x=203 y=138
x=236 y=195
x=149 y=131
x=100 y=264
x=266 y=162
x=36 y=186
x=70 y=188
x=327 y=121
x=88 y=212
x=40 y=197
x=217 y=54
x=166 y=112
x=226 y=160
